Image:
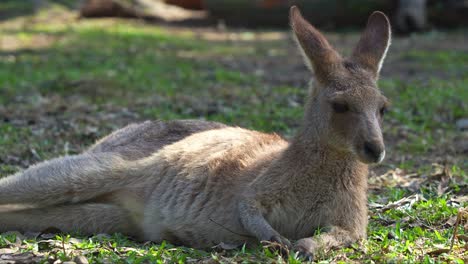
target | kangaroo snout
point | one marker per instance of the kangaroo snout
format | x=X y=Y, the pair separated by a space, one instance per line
x=373 y=152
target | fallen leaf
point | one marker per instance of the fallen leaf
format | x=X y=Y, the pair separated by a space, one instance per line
x=445 y=178
x=375 y=205
x=451 y=221
x=227 y=246
x=8 y=251
x=75 y=241
x=26 y=257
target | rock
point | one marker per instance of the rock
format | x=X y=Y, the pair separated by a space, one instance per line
x=462 y=124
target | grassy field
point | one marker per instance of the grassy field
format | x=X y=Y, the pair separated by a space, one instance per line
x=65 y=83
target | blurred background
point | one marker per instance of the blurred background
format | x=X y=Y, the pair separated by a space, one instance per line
x=407 y=15
x=73 y=71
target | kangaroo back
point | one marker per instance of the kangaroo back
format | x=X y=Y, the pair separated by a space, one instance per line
x=138 y=141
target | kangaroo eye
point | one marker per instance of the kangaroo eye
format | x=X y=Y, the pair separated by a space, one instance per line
x=383 y=111
x=340 y=107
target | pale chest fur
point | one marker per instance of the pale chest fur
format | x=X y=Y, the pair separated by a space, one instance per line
x=321 y=201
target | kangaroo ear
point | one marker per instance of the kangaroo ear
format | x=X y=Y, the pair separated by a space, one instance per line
x=318 y=54
x=372 y=47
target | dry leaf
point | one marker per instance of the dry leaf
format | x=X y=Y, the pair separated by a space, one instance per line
x=73 y=240
x=406 y=201
x=4 y=251
x=451 y=221
x=227 y=246
x=445 y=178
x=395 y=177
x=26 y=257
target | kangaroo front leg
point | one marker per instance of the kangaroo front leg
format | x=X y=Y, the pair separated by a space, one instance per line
x=335 y=238
x=68 y=179
x=253 y=222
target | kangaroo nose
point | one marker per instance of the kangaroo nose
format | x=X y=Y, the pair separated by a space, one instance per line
x=374 y=151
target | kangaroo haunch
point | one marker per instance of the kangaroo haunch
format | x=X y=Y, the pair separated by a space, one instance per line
x=199 y=183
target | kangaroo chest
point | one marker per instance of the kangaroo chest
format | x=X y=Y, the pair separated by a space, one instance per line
x=300 y=216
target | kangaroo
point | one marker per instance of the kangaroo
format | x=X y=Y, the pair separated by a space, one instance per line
x=200 y=183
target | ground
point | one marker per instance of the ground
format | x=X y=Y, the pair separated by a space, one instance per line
x=66 y=82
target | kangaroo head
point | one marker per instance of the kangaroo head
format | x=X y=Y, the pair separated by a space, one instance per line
x=345 y=108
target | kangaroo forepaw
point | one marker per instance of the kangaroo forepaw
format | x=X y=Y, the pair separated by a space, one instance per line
x=278 y=243
x=306 y=249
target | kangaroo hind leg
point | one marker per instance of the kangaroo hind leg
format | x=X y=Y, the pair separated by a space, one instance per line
x=69 y=179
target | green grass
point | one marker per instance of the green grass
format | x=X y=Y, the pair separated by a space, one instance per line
x=447 y=60
x=66 y=83
x=427 y=109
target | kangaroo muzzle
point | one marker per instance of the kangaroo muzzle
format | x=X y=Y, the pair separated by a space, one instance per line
x=374 y=152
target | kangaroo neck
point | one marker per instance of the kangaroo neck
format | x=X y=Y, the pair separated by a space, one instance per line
x=308 y=160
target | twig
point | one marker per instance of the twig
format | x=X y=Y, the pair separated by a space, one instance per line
x=63 y=246
x=455 y=231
